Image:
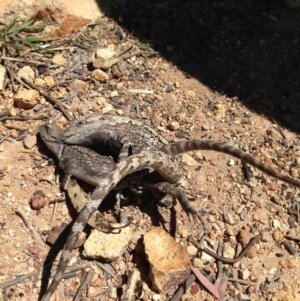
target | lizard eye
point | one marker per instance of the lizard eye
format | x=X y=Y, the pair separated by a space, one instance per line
x=80 y=122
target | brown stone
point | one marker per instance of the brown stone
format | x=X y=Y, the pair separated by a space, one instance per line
x=26 y=99
x=169 y=261
x=100 y=76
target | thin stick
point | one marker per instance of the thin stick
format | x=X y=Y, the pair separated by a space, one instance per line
x=229 y=260
x=29 y=226
x=183 y=288
x=56 y=103
x=104 y=268
x=16 y=77
x=23 y=118
x=21 y=278
x=22 y=61
x=84 y=285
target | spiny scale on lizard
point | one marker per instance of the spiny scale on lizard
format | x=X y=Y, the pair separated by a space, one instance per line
x=192 y=145
x=166 y=165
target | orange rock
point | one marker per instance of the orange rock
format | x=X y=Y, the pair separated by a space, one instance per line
x=169 y=261
x=26 y=99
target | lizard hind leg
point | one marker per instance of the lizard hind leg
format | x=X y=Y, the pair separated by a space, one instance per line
x=179 y=194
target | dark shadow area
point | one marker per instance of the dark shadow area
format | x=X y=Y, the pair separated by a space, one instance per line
x=247 y=49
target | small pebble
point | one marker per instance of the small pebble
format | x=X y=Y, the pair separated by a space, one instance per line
x=183 y=233
x=243 y=297
x=2 y=77
x=100 y=76
x=156 y=297
x=26 y=99
x=276 y=223
x=29 y=141
x=243 y=215
x=192 y=250
x=49 y=80
x=195 y=289
x=113 y=293
x=114 y=93
x=228 y=251
x=37 y=202
x=58 y=59
x=231 y=162
x=173 y=126
x=26 y=72
x=244 y=274
x=197 y=262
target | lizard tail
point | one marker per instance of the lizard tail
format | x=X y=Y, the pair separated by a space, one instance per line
x=192 y=145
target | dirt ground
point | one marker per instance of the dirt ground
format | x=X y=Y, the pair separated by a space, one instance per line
x=225 y=71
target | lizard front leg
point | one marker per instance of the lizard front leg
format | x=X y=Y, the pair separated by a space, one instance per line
x=69 y=167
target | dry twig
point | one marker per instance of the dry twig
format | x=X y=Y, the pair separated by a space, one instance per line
x=29 y=226
x=56 y=103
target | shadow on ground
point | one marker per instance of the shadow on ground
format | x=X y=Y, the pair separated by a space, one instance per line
x=247 y=49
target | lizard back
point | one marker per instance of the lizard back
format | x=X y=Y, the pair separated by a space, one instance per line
x=116 y=132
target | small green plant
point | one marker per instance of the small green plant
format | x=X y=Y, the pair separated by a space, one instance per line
x=13 y=36
x=145 y=46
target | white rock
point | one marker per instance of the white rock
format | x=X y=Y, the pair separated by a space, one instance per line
x=189 y=161
x=272 y=271
x=107 y=108
x=206 y=258
x=103 y=59
x=2 y=77
x=26 y=72
x=228 y=251
x=231 y=162
x=107 y=245
x=276 y=223
x=156 y=297
x=244 y=274
x=192 y=250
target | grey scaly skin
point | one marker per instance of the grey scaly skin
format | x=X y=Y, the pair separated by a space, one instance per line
x=124 y=135
x=81 y=163
x=165 y=165
x=193 y=145
x=89 y=166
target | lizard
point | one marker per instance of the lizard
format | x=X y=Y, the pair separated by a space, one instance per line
x=122 y=135
x=167 y=166
x=89 y=166
x=126 y=136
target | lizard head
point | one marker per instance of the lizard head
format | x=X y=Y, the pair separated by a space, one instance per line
x=53 y=138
